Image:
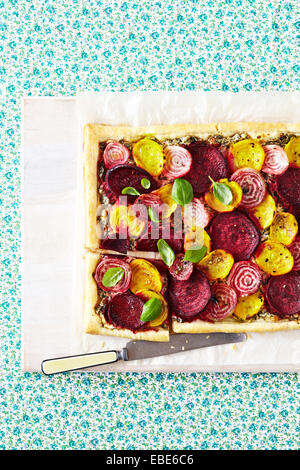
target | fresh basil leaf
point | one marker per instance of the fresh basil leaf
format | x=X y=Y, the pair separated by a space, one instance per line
x=182 y=191
x=151 y=310
x=222 y=192
x=195 y=254
x=152 y=215
x=166 y=252
x=112 y=277
x=131 y=191
x=145 y=183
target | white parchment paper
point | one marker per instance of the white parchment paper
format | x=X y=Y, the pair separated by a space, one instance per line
x=172 y=107
x=54 y=230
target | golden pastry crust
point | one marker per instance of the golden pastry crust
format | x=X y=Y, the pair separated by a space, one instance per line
x=90 y=157
x=256 y=130
x=95 y=325
x=259 y=326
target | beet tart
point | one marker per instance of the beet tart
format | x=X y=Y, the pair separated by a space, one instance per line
x=192 y=226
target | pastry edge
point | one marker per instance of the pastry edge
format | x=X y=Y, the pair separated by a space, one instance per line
x=259 y=326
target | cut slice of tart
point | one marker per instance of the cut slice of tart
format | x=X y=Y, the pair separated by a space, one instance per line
x=116 y=292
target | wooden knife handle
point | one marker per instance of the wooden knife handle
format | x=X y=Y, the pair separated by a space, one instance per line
x=65 y=364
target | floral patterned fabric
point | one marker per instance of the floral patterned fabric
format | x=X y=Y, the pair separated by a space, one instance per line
x=60 y=48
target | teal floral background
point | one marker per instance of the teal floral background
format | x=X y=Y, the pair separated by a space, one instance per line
x=62 y=47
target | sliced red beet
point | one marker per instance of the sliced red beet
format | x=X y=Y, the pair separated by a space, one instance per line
x=235 y=233
x=207 y=161
x=221 y=304
x=288 y=186
x=123 y=176
x=283 y=293
x=124 y=311
x=294 y=248
x=150 y=244
x=181 y=269
x=188 y=298
x=116 y=244
x=160 y=265
x=295 y=209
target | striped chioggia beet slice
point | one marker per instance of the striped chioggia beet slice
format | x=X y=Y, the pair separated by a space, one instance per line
x=244 y=278
x=221 y=304
x=108 y=263
x=253 y=186
x=142 y=204
x=195 y=214
x=115 y=154
x=178 y=161
x=283 y=293
x=276 y=160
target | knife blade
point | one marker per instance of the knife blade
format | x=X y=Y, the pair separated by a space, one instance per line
x=136 y=350
x=179 y=343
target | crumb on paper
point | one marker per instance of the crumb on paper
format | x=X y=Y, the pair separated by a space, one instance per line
x=234 y=347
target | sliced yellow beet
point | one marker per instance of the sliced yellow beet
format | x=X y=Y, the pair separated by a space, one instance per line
x=292 y=150
x=197 y=237
x=284 y=228
x=165 y=194
x=118 y=216
x=121 y=219
x=265 y=211
x=247 y=153
x=217 y=205
x=144 y=275
x=249 y=306
x=216 y=265
x=149 y=155
x=150 y=294
x=274 y=258
x=135 y=226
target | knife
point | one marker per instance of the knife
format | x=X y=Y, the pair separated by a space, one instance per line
x=135 y=350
